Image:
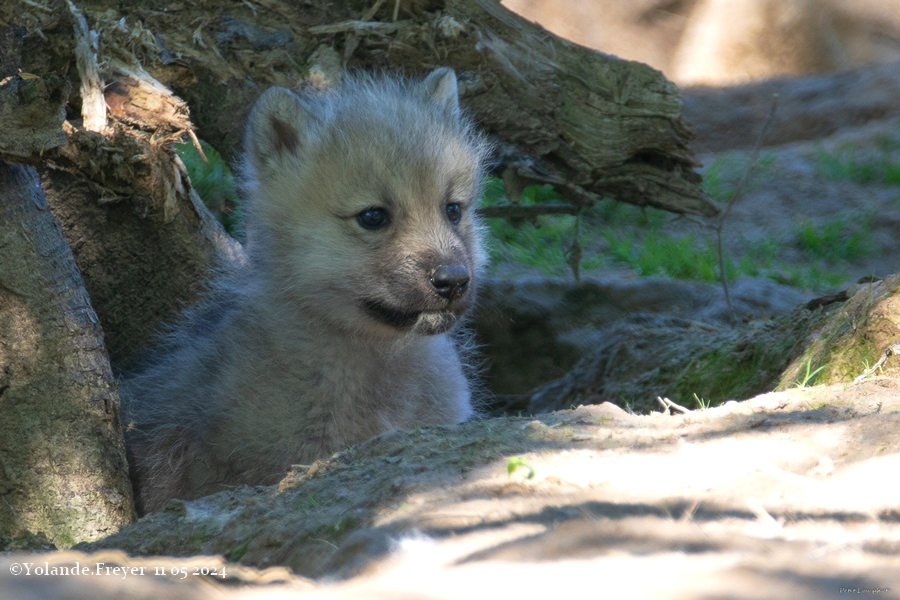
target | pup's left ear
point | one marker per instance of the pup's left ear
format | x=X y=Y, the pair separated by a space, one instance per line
x=440 y=88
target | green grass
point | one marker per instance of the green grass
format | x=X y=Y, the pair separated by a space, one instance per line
x=809 y=377
x=835 y=240
x=534 y=194
x=876 y=163
x=540 y=243
x=619 y=214
x=617 y=234
x=702 y=403
x=660 y=254
x=214 y=183
x=808 y=276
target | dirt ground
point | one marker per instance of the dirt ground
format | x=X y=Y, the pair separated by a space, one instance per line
x=789 y=495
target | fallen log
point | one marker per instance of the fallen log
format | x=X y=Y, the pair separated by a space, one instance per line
x=590 y=123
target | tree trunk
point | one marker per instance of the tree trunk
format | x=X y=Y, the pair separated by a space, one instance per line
x=62 y=459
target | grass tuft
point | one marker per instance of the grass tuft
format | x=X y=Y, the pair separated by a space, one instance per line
x=835 y=240
x=878 y=163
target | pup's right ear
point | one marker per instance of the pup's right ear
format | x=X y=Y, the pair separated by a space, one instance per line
x=276 y=129
x=440 y=87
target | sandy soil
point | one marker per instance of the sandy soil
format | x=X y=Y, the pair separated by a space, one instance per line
x=789 y=495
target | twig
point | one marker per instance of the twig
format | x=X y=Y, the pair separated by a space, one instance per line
x=40 y=7
x=754 y=155
x=373 y=27
x=324 y=541
x=668 y=404
x=688 y=514
x=891 y=350
x=371 y=12
x=573 y=253
x=197 y=145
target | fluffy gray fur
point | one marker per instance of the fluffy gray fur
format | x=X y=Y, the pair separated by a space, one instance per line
x=333 y=332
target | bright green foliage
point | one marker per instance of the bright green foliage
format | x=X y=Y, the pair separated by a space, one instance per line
x=702 y=403
x=810 y=375
x=516 y=462
x=808 y=276
x=495 y=194
x=541 y=243
x=214 y=183
x=660 y=254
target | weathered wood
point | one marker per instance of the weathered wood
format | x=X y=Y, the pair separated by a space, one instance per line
x=589 y=123
x=93 y=105
x=64 y=473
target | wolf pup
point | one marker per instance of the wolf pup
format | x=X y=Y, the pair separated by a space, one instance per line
x=364 y=254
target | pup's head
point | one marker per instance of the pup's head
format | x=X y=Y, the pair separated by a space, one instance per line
x=362 y=202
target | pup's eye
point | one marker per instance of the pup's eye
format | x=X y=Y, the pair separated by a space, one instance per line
x=454 y=212
x=373 y=218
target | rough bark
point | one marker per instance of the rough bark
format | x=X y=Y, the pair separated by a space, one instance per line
x=63 y=473
x=32 y=112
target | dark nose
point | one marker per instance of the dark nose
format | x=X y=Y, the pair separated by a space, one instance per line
x=450 y=281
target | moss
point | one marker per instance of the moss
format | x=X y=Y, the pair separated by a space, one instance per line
x=683 y=362
x=64 y=539
x=238 y=552
x=197 y=540
x=736 y=370
x=851 y=338
x=846 y=362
